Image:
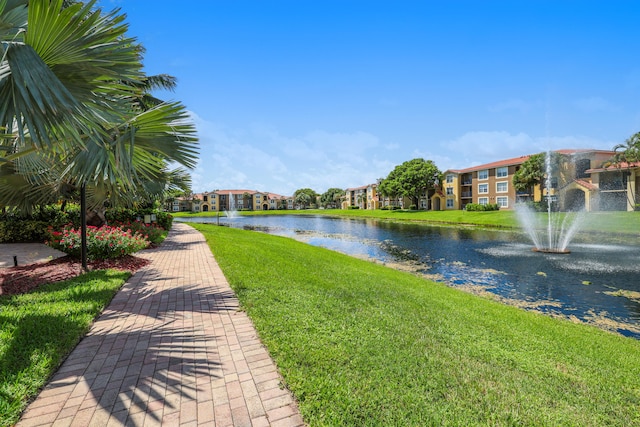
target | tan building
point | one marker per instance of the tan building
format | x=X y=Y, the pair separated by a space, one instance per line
x=483 y=184
x=617 y=185
x=364 y=197
x=573 y=188
x=229 y=200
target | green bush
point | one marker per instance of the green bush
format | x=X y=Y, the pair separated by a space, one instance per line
x=124 y=215
x=476 y=207
x=354 y=207
x=413 y=208
x=17 y=227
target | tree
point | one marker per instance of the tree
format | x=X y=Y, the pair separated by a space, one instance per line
x=331 y=197
x=246 y=200
x=76 y=109
x=627 y=156
x=533 y=171
x=627 y=152
x=411 y=179
x=530 y=173
x=304 y=197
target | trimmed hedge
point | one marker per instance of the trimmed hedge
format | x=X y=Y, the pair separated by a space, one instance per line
x=17 y=227
x=476 y=207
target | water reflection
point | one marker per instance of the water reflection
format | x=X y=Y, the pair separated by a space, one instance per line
x=596 y=283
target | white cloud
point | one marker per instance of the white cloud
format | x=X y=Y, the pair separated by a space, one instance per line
x=476 y=148
x=261 y=158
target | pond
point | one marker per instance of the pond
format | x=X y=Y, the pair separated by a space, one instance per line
x=595 y=283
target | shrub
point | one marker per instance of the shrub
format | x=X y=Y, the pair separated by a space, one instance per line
x=476 y=207
x=123 y=215
x=152 y=232
x=354 y=207
x=413 y=208
x=16 y=227
x=102 y=242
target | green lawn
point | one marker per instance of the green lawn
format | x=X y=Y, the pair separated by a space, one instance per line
x=362 y=344
x=627 y=223
x=39 y=329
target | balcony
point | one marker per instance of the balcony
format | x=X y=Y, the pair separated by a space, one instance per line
x=467 y=194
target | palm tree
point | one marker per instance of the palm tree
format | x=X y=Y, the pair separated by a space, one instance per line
x=627 y=156
x=77 y=110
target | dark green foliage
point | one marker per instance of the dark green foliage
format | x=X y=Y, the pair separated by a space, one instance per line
x=16 y=226
x=331 y=198
x=122 y=215
x=305 y=197
x=476 y=207
x=411 y=179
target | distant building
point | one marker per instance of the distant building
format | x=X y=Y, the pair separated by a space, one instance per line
x=588 y=181
x=228 y=200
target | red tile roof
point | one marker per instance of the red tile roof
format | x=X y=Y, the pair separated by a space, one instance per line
x=619 y=166
x=499 y=163
x=522 y=159
x=585 y=184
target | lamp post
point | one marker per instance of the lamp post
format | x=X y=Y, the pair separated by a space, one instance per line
x=83 y=225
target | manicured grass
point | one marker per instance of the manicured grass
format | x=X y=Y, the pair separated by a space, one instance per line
x=362 y=344
x=627 y=223
x=39 y=329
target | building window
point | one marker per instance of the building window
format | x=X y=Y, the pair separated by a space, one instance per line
x=502 y=172
x=502 y=201
x=483 y=174
x=483 y=188
x=449 y=203
x=449 y=191
x=205 y=198
x=483 y=200
x=502 y=187
x=449 y=178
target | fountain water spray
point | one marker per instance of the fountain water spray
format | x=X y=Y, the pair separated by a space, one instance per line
x=232 y=211
x=551 y=233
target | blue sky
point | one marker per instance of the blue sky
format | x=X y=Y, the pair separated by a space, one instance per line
x=319 y=94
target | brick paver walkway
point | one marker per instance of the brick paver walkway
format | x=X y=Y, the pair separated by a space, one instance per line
x=171 y=349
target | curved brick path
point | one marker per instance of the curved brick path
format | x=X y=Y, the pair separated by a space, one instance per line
x=171 y=349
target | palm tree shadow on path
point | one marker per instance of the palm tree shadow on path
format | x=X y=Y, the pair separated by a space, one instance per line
x=155 y=352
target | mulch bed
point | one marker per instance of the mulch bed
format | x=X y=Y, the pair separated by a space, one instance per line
x=21 y=279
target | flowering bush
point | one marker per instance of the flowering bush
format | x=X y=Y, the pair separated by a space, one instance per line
x=153 y=232
x=102 y=242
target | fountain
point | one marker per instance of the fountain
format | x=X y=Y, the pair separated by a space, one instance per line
x=232 y=212
x=550 y=233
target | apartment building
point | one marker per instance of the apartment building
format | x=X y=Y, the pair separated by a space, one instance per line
x=483 y=184
x=573 y=187
x=364 y=197
x=229 y=200
x=618 y=186
x=586 y=180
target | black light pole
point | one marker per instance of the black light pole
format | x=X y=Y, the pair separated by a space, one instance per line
x=83 y=226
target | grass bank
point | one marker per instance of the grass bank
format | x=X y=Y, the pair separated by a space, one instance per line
x=39 y=329
x=623 y=223
x=361 y=344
